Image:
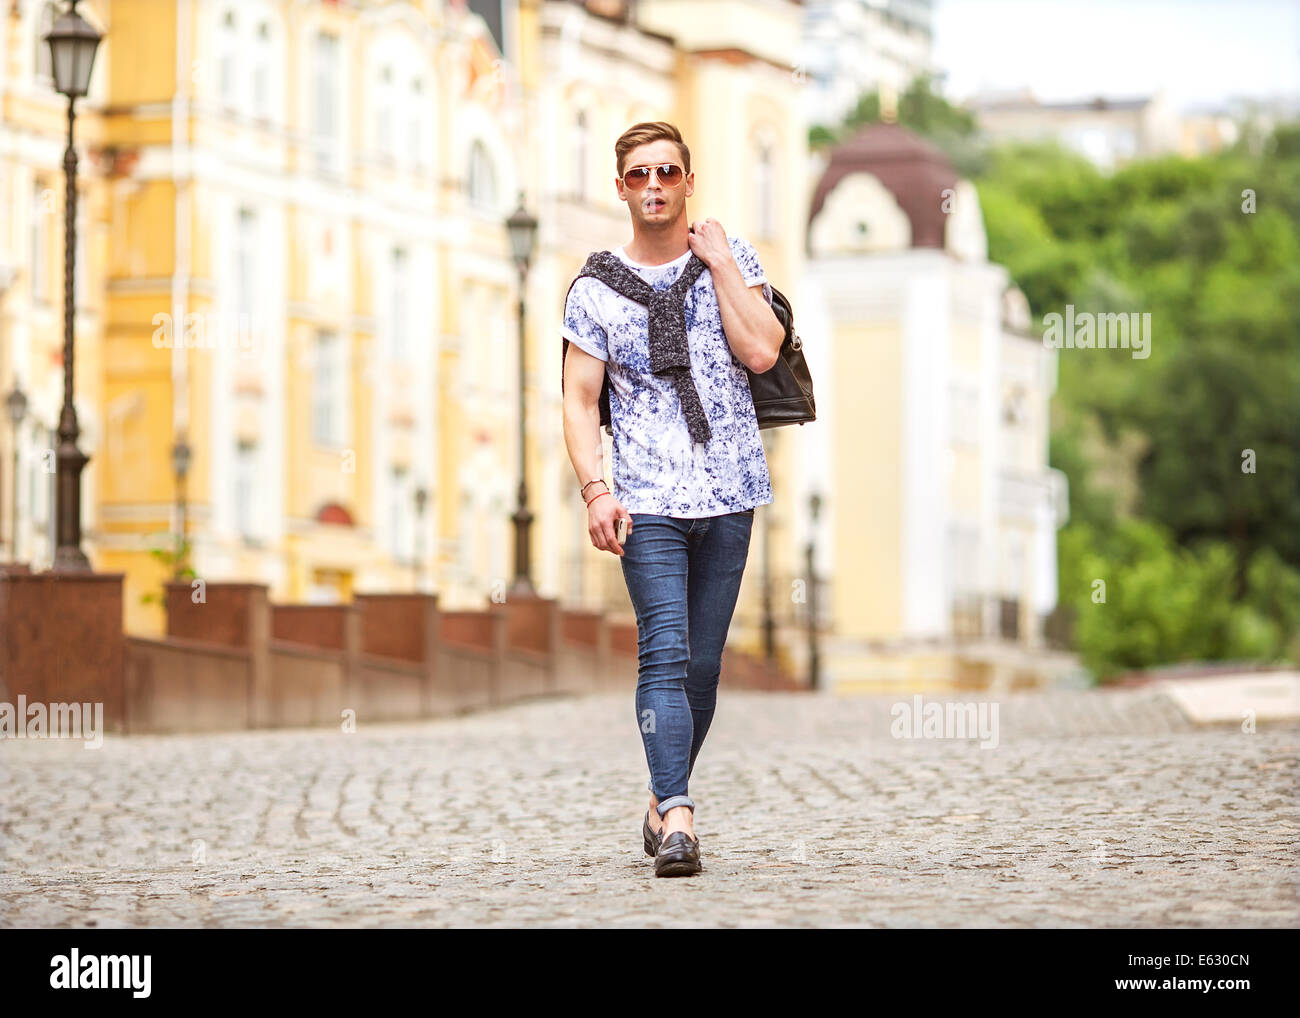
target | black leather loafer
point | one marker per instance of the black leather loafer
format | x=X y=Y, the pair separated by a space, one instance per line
x=650 y=836
x=678 y=856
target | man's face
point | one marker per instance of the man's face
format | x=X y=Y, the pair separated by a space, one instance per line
x=656 y=205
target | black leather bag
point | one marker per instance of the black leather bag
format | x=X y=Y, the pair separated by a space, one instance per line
x=782 y=395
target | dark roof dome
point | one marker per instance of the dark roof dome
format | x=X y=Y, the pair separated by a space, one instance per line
x=911 y=168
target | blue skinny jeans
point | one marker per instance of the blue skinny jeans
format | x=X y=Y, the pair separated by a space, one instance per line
x=683 y=577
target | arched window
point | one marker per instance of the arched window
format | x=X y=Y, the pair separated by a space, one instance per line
x=482 y=177
x=227 y=46
x=384 y=111
x=327 y=102
x=262 y=71
x=245 y=82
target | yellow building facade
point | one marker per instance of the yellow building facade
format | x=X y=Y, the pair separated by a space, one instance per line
x=296 y=262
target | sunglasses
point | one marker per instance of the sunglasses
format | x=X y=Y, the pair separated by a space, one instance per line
x=669 y=175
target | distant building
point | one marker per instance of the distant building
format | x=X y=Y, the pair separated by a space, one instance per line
x=1108 y=132
x=942 y=511
x=854 y=46
x=1204 y=131
x=1250 y=119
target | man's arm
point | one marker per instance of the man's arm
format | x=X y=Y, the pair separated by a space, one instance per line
x=753 y=331
x=584 y=377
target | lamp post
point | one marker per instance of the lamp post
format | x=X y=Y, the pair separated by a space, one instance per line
x=769 y=615
x=814 y=658
x=522 y=228
x=181 y=454
x=421 y=501
x=16 y=401
x=72 y=54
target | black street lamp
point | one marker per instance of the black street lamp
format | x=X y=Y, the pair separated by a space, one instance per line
x=72 y=54
x=421 y=502
x=181 y=455
x=16 y=402
x=814 y=603
x=769 y=614
x=523 y=239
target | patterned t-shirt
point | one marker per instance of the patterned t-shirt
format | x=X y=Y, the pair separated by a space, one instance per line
x=657 y=468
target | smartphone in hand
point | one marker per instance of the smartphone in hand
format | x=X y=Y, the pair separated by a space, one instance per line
x=620 y=530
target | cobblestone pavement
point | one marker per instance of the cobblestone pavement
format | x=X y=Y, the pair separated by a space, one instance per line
x=1094 y=809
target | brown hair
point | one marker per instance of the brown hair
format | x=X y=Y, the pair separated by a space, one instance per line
x=647 y=131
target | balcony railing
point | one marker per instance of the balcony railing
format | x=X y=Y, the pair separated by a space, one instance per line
x=985 y=616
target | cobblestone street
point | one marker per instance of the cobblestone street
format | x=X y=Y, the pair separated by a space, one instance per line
x=1094 y=809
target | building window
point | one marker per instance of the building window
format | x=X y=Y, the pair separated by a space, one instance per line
x=498 y=381
x=964 y=579
x=41 y=67
x=580 y=136
x=964 y=419
x=325 y=100
x=327 y=390
x=227 y=43
x=399 y=522
x=262 y=71
x=40 y=243
x=1011 y=563
x=1018 y=435
x=482 y=178
x=415 y=122
x=245 y=265
x=245 y=479
x=384 y=111
x=765 y=191
x=399 y=317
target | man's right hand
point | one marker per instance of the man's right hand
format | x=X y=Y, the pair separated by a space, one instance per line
x=602 y=511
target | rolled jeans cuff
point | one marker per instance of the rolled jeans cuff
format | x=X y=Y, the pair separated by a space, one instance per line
x=673 y=801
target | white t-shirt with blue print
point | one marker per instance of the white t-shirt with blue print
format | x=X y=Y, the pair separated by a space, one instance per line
x=657 y=469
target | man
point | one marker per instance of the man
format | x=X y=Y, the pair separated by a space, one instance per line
x=689 y=466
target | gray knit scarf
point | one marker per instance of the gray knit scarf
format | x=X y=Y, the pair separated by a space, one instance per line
x=669 y=352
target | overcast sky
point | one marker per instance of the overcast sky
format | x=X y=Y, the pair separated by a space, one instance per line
x=1200 y=51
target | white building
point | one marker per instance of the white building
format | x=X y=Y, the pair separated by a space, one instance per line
x=932 y=453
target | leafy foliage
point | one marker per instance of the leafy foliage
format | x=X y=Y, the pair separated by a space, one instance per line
x=1204 y=562
x=1211 y=569
x=170 y=557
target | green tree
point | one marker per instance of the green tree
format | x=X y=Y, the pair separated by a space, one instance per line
x=177 y=553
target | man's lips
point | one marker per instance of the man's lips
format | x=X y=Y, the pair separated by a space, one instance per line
x=655 y=204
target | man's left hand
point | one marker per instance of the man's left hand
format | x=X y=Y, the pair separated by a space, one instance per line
x=709 y=242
